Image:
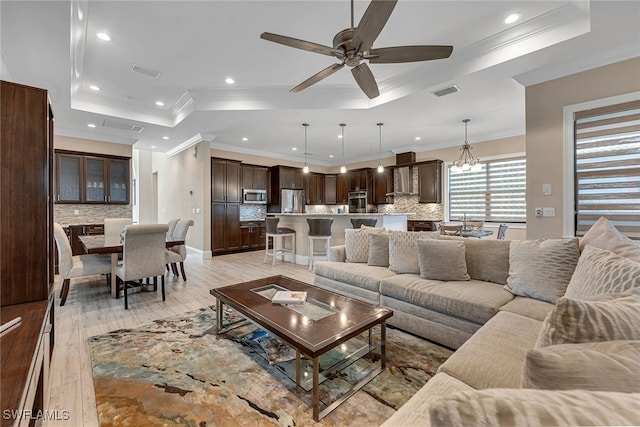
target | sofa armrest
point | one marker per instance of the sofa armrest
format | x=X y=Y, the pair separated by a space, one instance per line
x=337 y=253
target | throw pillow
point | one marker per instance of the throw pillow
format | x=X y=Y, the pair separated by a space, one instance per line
x=378 y=249
x=597 y=366
x=604 y=235
x=576 y=321
x=356 y=242
x=488 y=259
x=516 y=407
x=442 y=260
x=541 y=268
x=403 y=250
x=600 y=271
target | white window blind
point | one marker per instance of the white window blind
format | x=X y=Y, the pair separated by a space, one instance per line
x=496 y=193
x=607 y=167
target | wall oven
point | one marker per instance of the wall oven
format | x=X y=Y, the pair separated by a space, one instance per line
x=253 y=196
x=357 y=202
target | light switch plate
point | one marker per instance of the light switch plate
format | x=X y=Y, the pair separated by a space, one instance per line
x=546 y=189
x=548 y=211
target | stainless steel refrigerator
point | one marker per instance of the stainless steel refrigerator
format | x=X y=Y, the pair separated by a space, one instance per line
x=292 y=201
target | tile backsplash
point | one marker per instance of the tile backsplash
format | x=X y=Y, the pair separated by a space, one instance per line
x=89 y=214
x=252 y=212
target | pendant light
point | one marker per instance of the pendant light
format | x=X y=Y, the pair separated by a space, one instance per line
x=380 y=167
x=466 y=161
x=343 y=168
x=305 y=169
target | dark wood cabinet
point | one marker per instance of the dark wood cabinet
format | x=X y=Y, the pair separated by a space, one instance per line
x=225 y=181
x=422 y=225
x=254 y=177
x=330 y=189
x=90 y=178
x=225 y=227
x=26 y=190
x=358 y=180
x=342 y=188
x=252 y=235
x=381 y=185
x=429 y=182
x=314 y=189
x=291 y=177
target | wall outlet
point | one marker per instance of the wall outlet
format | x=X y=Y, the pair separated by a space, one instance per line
x=538 y=212
x=548 y=211
x=76 y=212
x=546 y=189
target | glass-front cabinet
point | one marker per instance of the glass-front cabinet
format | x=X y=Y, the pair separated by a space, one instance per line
x=83 y=178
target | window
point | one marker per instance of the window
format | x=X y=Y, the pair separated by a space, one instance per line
x=607 y=167
x=496 y=193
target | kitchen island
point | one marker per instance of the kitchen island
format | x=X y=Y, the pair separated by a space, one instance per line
x=342 y=221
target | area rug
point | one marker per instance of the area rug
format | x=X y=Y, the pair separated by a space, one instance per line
x=176 y=371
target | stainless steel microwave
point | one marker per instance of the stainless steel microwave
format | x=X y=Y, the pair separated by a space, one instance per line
x=253 y=196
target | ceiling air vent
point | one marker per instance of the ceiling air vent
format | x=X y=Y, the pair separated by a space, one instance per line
x=446 y=91
x=145 y=71
x=132 y=127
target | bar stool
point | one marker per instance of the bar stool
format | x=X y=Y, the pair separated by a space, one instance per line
x=358 y=222
x=319 y=229
x=279 y=234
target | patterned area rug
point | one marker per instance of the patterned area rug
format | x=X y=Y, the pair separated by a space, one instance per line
x=176 y=371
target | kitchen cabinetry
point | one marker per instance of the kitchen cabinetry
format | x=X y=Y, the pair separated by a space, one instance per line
x=252 y=235
x=381 y=185
x=342 y=189
x=422 y=225
x=429 y=182
x=254 y=177
x=225 y=227
x=330 y=189
x=288 y=177
x=358 y=180
x=90 y=178
x=314 y=189
x=225 y=181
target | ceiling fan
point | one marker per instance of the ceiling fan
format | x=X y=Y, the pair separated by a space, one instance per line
x=354 y=45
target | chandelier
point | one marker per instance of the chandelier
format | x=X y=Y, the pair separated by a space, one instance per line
x=466 y=161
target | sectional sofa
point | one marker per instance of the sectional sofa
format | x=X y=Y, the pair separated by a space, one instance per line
x=546 y=331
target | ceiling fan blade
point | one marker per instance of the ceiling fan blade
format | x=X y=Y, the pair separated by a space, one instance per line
x=302 y=44
x=389 y=55
x=372 y=22
x=317 y=77
x=364 y=77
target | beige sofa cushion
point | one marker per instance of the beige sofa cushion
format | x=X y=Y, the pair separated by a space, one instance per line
x=495 y=355
x=528 y=307
x=442 y=260
x=541 y=268
x=600 y=271
x=488 y=259
x=576 y=321
x=378 y=249
x=597 y=366
x=356 y=242
x=471 y=300
x=403 y=250
x=604 y=235
x=354 y=274
x=506 y=407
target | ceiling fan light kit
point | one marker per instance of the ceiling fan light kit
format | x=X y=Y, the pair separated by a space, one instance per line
x=355 y=44
x=466 y=161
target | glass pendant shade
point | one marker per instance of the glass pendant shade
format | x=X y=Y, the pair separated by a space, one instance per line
x=343 y=168
x=380 y=167
x=305 y=169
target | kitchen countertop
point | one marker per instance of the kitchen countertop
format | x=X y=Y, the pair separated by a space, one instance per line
x=343 y=214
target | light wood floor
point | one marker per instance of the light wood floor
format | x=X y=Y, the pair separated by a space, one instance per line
x=90 y=311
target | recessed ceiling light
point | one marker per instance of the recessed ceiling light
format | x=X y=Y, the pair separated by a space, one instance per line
x=418 y=138
x=331 y=156
x=94 y=87
x=229 y=81
x=294 y=148
x=165 y=137
x=512 y=18
x=160 y=103
x=104 y=36
x=153 y=146
x=339 y=136
x=244 y=138
x=91 y=125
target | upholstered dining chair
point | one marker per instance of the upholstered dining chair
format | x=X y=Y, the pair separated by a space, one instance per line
x=113 y=227
x=502 y=231
x=177 y=254
x=70 y=266
x=143 y=256
x=450 y=230
x=172 y=226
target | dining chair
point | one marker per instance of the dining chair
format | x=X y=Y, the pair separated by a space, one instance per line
x=502 y=231
x=177 y=254
x=450 y=230
x=70 y=266
x=113 y=227
x=172 y=226
x=143 y=256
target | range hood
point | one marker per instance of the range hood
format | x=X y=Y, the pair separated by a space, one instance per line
x=403 y=175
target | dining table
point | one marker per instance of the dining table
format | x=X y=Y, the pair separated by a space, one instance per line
x=99 y=244
x=476 y=233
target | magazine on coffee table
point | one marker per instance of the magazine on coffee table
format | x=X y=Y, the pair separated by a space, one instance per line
x=289 y=297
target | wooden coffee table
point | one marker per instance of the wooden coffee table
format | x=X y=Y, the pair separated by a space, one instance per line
x=324 y=322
